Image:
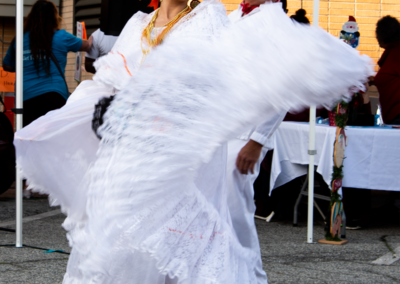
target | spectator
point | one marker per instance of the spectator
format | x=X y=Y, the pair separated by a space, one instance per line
x=387 y=80
x=300 y=17
x=44 y=87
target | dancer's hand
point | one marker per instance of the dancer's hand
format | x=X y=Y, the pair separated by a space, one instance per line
x=248 y=157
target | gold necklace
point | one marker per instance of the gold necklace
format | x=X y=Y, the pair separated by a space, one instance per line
x=158 y=39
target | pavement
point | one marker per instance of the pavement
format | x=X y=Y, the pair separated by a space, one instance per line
x=287 y=258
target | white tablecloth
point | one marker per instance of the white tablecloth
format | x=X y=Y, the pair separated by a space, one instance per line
x=372 y=155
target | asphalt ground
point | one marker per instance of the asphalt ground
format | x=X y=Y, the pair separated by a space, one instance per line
x=287 y=258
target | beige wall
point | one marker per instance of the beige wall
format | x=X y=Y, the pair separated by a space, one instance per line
x=7 y=33
x=333 y=14
x=7 y=7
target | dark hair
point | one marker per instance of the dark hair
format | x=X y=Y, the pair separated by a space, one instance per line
x=300 y=16
x=284 y=6
x=42 y=21
x=387 y=30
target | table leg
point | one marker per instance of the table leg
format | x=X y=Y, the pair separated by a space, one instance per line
x=296 y=206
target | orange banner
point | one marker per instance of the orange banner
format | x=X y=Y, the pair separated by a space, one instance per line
x=7 y=81
x=84 y=36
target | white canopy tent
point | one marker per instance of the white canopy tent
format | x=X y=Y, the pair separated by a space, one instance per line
x=19 y=106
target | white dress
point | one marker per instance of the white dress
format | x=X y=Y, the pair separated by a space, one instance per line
x=240 y=186
x=102 y=44
x=148 y=204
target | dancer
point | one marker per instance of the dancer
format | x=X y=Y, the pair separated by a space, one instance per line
x=245 y=154
x=150 y=205
x=102 y=44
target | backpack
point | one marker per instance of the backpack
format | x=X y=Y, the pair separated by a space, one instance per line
x=7 y=152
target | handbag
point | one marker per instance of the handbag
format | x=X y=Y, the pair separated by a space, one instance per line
x=99 y=110
x=7 y=152
x=59 y=70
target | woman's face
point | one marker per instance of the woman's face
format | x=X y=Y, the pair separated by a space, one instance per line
x=381 y=43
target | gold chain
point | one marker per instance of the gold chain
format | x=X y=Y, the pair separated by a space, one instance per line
x=158 y=39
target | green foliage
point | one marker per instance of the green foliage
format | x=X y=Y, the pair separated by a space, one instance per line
x=335 y=197
x=341 y=119
x=337 y=173
x=329 y=237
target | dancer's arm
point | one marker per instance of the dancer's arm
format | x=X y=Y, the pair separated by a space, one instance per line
x=250 y=153
x=248 y=157
x=86 y=44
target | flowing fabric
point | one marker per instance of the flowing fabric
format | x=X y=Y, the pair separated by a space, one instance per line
x=152 y=200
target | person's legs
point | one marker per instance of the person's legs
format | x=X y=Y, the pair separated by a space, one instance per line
x=37 y=107
x=40 y=105
x=264 y=206
x=357 y=202
x=241 y=203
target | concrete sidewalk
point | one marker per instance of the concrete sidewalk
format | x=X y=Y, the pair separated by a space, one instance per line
x=288 y=258
x=26 y=265
x=286 y=255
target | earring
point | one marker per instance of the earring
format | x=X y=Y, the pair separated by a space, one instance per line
x=193 y=4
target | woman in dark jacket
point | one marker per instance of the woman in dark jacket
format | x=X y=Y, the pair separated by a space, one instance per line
x=387 y=80
x=44 y=87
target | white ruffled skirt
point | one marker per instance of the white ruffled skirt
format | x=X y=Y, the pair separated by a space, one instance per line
x=148 y=203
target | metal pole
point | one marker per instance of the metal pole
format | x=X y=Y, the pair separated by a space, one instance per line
x=19 y=105
x=312 y=151
x=316 y=13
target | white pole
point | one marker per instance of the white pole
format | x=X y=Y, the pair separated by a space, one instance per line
x=312 y=151
x=18 y=105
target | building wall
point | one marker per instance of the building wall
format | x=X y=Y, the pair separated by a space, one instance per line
x=7 y=7
x=333 y=14
x=231 y=5
x=7 y=33
x=7 y=22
